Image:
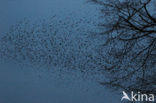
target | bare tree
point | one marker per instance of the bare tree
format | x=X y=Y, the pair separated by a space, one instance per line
x=129 y=27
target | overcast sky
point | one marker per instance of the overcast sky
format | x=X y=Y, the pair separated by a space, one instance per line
x=29 y=86
x=12 y=11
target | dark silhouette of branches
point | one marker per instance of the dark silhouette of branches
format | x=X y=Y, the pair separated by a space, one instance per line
x=126 y=58
x=129 y=27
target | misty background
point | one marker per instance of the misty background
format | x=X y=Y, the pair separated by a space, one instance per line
x=24 y=84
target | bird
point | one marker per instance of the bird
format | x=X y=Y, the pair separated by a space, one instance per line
x=125 y=96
